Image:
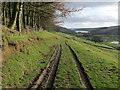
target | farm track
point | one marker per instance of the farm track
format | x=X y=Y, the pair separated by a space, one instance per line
x=82 y=74
x=46 y=79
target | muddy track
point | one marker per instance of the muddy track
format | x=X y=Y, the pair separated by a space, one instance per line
x=82 y=75
x=46 y=79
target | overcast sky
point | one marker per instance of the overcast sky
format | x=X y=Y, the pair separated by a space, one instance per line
x=95 y=14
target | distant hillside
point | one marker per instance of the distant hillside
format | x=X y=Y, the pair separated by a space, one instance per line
x=113 y=30
x=63 y=30
x=106 y=30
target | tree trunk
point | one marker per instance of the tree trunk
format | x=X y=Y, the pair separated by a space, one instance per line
x=27 y=17
x=15 y=20
x=9 y=12
x=12 y=24
x=24 y=16
x=4 y=17
x=20 y=17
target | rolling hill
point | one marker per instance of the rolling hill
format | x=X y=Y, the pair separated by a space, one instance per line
x=63 y=30
x=113 y=30
x=26 y=57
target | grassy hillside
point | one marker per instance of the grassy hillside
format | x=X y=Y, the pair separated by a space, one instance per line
x=113 y=30
x=63 y=30
x=106 y=30
x=100 y=65
x=26 y=56
x=99 y=61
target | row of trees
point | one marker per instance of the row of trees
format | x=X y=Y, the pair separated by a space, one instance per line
x=37 y=15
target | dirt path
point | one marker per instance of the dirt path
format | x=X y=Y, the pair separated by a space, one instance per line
x=46 y=79
x=83 y=76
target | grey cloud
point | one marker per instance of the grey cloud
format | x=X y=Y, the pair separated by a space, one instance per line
x=90 y=19
x=89 y=4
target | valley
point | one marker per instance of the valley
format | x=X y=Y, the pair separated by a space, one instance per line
x=49 y=45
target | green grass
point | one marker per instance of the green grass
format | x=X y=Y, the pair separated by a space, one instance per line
x=67 y=75
x=83 y=41
x=112 y=44
x=100 y=65
x=110 y=38
x=15 y=39
x=19 y=69
x=42 y=34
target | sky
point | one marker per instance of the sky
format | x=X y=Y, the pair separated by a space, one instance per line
x=95 y=14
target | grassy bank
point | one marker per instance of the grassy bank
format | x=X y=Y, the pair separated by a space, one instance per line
x=28 y=56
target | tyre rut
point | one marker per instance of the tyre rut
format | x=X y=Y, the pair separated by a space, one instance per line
x=46 y=79
x=82 y=74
